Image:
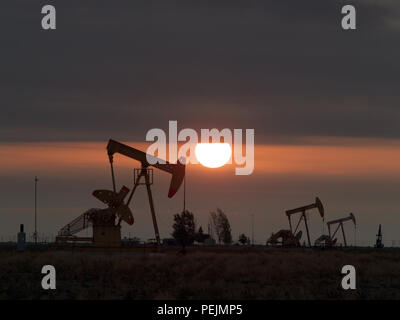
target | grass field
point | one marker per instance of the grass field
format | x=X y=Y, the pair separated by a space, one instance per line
x=219 y=273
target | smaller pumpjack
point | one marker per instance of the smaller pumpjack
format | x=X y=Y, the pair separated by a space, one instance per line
x=303 y=210
x=351 y=217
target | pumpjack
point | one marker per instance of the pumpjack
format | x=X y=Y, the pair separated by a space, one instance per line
x=106 y=222
x=340 y=225
x=318 y=205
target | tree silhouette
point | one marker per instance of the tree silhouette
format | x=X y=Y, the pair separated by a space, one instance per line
x=184 y=228
x=222 y=226
x=243 y=239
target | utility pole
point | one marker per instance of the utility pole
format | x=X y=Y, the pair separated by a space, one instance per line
x=35 y=234
x=184 y=193
x=252 y=229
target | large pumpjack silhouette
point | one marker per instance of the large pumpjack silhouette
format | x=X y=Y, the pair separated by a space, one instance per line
x=106 y=222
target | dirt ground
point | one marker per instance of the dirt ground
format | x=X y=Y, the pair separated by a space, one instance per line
x=217 y=273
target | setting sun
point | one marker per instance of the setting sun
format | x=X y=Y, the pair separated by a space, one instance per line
x=213 y=155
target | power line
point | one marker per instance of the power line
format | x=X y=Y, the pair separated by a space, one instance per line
x=35 y=234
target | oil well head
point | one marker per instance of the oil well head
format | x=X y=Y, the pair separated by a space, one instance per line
x=379 y=243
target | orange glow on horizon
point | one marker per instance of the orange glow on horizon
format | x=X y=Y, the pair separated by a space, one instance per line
x=376 y=158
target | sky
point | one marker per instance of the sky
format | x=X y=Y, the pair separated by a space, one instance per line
x=323 y=103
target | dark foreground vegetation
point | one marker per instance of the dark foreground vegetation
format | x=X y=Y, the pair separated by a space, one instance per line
x=219 y=273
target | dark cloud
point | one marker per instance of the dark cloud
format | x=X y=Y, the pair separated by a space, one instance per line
x=120 y=68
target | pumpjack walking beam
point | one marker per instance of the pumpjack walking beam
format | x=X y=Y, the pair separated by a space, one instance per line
x=176 y=170
x=303 y=210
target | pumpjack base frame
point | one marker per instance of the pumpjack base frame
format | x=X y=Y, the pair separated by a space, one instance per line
x=104 y=236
